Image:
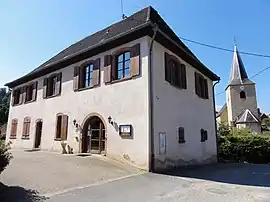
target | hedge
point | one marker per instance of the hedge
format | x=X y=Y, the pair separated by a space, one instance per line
x=5 y=155
x=240 y=145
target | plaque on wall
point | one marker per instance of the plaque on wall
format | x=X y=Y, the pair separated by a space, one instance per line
x=125 y=130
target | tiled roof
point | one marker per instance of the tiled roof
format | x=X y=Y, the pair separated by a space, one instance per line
x=136 y=22
x=247 y=117
x=221 y=110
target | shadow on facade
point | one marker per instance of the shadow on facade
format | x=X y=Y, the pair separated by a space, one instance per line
x=232 y=173
x=17 y=194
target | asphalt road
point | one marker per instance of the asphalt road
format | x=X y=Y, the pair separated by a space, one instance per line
x=218 y=184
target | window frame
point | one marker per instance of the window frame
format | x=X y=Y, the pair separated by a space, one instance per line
x=26 y=128
x=123 y=62
x=17 y=93
x=59 y=136
x=201 y=86
x=34 y=86
x=181 y=135
x=14 y=124
x=51 y=86
x=82 y=85
x=175 y=71
x=204 y=135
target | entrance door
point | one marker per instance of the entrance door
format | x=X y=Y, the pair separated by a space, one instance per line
x=38 y=134
x=93 y=139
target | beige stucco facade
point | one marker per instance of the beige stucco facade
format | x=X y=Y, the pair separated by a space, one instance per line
x=174 y=108
x=127 y=102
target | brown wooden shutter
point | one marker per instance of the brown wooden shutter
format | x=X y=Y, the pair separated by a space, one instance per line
x=183 y=77
x=82 y=76
x=96 y=73
x=168 y=76
x=22 y=94
x=135 y=60
x=107 y=68
x=24 y=128
x=45 y=87
x=64 y=127
x=197 y=84
x=205 y=89
x=76 y=78
x=58 y=84
x=114 y=68
x=13 y=95
x=34 y=96
x=201 y=86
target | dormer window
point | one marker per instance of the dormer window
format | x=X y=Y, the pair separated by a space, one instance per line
x=242 y=95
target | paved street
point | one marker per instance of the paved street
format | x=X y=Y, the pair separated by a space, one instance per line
x=41 y=176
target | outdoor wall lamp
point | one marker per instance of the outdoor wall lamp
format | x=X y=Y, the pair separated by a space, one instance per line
x=74 y=122
x=110 y=120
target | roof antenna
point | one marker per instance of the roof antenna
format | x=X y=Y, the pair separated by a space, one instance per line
x=122 y=10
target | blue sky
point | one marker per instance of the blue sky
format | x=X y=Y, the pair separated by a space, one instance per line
x=33 y=31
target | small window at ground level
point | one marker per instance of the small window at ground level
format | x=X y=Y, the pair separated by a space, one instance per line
x=61 y=127
x=242 y=95
x=204 y=135
x=181 y=135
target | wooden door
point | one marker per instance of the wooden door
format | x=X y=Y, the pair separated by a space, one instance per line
x=38 y=134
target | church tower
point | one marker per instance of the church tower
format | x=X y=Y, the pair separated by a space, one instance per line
x=241 y=97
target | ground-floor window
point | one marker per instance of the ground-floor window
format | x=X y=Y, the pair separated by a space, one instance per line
x=26 y=128
x=13 y=131
x=61 y=127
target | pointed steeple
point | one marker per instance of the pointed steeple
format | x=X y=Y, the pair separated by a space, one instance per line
x=238 y=73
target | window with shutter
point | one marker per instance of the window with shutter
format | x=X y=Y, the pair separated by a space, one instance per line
x=52 y=85
x=175 y=72
x=204 y=135
x=30 y=92
x=16 y=96
x=201 y=86
x=13 y=131
x=181 y=135
x=61 y=127
x=26 y=128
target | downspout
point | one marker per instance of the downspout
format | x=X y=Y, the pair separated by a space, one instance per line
x=215 y=120
x=150 y=102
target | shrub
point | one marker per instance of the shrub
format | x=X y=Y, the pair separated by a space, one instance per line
x=5 y=155
x=241 y=145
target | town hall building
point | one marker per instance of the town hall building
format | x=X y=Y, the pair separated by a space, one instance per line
x=132 y=91
x=241 y=109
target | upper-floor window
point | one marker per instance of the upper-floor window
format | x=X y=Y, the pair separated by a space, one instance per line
x=175 y=72
x=26 y=128
x=13 y=131
x=30 y=92
x=16 y=96
x=201 y=86
x=123 y=65
x=52 y=85
x=87 y=75
x=242 y=95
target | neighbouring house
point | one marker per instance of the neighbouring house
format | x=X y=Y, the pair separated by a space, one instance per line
x=3 y=129
x=132 y=91
x=241 y=109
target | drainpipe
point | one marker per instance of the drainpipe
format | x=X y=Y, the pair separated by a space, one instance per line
x=214 y=104
x=150 y=100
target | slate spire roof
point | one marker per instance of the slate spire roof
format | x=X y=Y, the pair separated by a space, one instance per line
x=238 y=73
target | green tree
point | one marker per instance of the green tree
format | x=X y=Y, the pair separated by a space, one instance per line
x=4 y=105
x=266 y=122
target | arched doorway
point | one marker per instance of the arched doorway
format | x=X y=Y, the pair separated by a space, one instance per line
x=93 y=136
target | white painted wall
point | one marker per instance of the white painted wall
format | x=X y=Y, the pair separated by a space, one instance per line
x=126 y=102
x=175 y=108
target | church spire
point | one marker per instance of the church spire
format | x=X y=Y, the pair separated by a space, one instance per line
x=238 y=73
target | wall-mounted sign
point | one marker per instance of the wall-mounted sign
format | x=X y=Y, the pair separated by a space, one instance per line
x=125 y=130
x=162 y=143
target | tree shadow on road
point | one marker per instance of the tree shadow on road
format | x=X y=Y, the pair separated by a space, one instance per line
x=19 y=194
x=232 y=173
